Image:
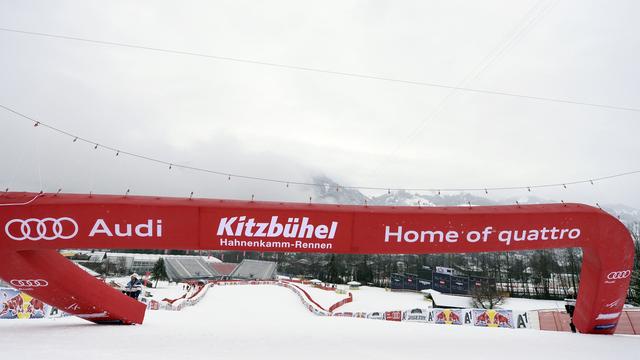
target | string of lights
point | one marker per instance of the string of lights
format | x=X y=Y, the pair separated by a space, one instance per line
x=170 y=165
x=323 y=71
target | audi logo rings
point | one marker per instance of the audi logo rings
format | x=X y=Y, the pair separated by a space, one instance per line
x=617 y=275
x=41 y=229
x=29 y=283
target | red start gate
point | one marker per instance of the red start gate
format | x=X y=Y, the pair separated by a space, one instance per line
x=34 y=226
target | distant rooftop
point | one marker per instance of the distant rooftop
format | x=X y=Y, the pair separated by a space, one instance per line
x=97 y=256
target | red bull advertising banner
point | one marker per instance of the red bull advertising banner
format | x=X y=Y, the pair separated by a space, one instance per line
x=18 y=305
x=34 y=226
x=493 y=318
x=447 y=316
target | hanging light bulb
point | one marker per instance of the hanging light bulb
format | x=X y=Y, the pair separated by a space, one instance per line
x=95 y=147
x=170 y=166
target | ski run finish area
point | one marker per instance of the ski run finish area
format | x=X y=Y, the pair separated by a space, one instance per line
x=269 y=322
x=33 y=233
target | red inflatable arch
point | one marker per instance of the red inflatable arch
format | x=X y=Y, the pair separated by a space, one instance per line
x=33 y=227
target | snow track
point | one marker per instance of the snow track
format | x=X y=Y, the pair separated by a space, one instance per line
x=251 y=322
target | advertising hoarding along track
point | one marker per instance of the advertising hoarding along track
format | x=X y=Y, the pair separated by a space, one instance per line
x=30 y=235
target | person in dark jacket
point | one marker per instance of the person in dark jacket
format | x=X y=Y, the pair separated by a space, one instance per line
x=134 y=286
x=570 y=306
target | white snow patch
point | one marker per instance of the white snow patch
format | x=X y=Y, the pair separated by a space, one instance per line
x=258 y=322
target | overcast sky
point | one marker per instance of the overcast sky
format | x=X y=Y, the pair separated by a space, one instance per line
x=280 y=123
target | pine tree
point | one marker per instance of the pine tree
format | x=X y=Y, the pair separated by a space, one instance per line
x=159 y=272
x=363 y=271
x=334 y=270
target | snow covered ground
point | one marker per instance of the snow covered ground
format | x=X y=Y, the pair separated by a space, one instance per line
x=163 y=290
x=532 y=304
x=166 y=290
x=246 y=322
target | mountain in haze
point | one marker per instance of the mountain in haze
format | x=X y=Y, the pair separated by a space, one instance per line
x=331 y=192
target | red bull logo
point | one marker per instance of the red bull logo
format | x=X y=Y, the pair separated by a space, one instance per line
x=448 y=316
x=493 y=318
x=12 y=307
x=21 y=306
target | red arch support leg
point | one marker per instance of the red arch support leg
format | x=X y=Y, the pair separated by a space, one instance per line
x=69 y=288
x=31 y=230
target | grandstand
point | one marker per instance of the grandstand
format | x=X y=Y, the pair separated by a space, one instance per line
x=178 y=267
x=254 y=269
x=188 y=268
x=125 y=263
x=225 y=269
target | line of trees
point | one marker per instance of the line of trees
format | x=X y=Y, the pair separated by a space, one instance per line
x=545 y=274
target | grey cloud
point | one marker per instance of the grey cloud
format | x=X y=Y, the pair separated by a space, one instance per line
x=286 y=124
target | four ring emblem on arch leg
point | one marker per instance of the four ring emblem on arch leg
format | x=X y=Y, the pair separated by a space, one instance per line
x=18 y=283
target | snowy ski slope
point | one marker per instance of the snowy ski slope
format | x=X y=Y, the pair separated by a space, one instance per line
x=264 y=322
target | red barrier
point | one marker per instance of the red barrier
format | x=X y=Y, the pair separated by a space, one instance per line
x=31 y=229
x=171 y=301
x=308 y=296
x=184 y=296
x=341 y=302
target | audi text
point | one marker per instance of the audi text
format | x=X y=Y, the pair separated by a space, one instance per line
x=147 y=229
